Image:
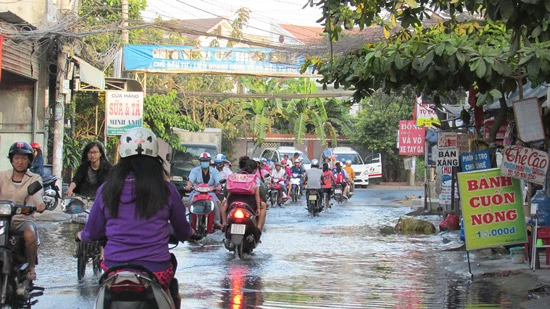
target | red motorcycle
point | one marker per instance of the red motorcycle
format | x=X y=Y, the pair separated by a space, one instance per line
x=202 y=210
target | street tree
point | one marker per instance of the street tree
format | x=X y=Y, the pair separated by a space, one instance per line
x=376 y=126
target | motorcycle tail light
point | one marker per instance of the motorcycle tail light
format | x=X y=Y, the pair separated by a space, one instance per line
x=240 y=214
x=127 y=286
x=5 y=209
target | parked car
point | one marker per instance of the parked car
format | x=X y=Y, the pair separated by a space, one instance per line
x=344 y=154
x=277 y=154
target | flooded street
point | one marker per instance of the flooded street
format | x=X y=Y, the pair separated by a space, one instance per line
x=337 y=260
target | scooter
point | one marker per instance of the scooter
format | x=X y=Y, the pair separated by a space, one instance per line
x=202 y=209
x=338 y=195
x=241 y=234
x=295 y=181
x=314 y=206
x=275 y=192
x=16 y=291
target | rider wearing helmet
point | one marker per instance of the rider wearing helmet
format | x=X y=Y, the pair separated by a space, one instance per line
x=351 y=176
x=135 y=209
x=299 y=169
x=313 y=178
x=279 y=175
x=210 y=176
x=220 y=162
x=341 y=177
x=37 y=165
x=13 y=187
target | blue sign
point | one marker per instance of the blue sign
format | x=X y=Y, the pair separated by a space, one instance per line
x=214 y=60
x=473 y=161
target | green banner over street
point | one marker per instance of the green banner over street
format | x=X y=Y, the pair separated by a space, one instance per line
x=492 y=208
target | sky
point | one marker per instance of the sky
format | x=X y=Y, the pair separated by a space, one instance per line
x=263 y=12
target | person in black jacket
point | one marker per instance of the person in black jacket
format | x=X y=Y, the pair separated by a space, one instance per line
x=92 y=171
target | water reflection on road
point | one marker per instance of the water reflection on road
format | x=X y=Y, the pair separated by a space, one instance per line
x=337 y=260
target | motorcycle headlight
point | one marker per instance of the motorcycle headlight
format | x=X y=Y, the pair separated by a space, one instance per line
x=5 y=209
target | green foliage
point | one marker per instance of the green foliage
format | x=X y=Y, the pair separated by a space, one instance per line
x=440 y=59
x=377 y=124
x=298 y=116
x=162 y=113
x=72 y=152
x=527 y=20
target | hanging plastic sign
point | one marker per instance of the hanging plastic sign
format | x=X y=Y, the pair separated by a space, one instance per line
x=525 y=163
x=447 y=157
x=492 y=208
x=473 y=161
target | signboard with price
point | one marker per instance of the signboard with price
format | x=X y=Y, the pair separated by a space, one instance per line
x=492 y=208
x=525 y=163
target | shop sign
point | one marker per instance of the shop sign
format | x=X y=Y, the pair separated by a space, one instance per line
x=411 y=138
x=525 y=163
x=473 y=161
x=447 y=140
x=463 y=142
x=492 y=208
x=124 y=110
x=447 y=157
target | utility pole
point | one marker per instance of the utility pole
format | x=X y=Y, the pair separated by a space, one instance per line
x=62 y=96
x=125 y=39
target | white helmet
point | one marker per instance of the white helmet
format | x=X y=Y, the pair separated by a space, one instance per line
x=315 y=162
x=138 y=141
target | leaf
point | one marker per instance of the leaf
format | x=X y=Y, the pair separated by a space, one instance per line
x=496 y=94
x=386 y=32
x=481 y=69
x=506 y=9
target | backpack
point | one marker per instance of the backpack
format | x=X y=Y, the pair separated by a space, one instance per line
x=241 y=184
x=340 y=177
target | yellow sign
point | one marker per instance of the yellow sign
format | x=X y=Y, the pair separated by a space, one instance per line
x=492 y=208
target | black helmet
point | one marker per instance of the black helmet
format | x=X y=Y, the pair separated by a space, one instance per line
x=21 y=148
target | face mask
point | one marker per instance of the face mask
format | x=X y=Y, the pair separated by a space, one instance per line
x=205 y=164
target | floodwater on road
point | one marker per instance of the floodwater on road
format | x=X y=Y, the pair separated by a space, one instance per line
x=336 y=260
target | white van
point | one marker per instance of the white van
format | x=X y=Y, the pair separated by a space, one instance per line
x=344 y=154
x=373 y=164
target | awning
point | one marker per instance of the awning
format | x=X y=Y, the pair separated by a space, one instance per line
x=89 y=74
x=528 y=92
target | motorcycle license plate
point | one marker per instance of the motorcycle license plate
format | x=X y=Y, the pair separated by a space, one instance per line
x=337 y=191
x=238 y=229
x=313 y=197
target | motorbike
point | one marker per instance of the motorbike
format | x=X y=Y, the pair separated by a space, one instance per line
x=314 y=206
x=338 y=193
x=130 y=286
x=295 y=186
x=201 y=210
x=275 y=192
x=16 y=291
x=241 y=232
x=85 y=252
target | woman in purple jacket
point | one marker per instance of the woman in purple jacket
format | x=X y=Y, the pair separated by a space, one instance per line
x=135 y=207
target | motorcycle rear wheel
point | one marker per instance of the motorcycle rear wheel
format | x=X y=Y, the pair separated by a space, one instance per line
x=82 y=260
x=240 y=250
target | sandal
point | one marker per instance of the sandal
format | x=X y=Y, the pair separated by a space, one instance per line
x=31 y=275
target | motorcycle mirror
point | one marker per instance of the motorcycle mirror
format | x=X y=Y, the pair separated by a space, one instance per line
x=34 y=187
